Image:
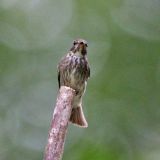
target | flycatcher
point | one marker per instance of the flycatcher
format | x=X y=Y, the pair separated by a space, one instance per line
x=74 y=71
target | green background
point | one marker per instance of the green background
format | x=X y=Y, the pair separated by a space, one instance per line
x=122 y=101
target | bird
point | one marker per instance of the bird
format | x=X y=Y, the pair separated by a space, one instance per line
x=73 y=72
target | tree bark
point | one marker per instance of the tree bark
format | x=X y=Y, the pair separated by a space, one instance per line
x=59 y=124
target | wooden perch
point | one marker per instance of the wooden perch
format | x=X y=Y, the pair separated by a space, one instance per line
x=59 y=124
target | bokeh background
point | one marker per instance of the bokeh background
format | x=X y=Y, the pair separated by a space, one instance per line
x=122 y=101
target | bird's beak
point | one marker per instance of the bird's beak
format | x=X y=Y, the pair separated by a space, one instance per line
x=82 y=47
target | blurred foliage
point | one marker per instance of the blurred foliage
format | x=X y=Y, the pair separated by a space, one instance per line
x=122 y=101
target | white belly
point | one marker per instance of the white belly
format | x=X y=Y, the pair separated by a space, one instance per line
x=72 y=77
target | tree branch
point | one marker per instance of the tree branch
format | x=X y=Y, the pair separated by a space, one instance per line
x=59 y=124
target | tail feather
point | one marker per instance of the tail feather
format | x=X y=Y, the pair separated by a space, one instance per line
x=77 y=117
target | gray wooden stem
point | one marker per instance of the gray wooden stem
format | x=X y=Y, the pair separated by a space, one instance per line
x=59 y=124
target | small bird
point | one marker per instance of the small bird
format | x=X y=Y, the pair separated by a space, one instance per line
x=74 y=71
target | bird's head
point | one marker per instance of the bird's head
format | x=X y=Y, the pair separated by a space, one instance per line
x=79 y=47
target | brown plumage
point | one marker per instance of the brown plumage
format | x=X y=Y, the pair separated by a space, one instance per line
x=74 y=71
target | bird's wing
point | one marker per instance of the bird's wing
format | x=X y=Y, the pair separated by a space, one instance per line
x=59 y=78
x=60 y=68
x=89 y=71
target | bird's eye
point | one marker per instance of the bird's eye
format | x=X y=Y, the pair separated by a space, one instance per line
x=74 y=42
x=86 y=44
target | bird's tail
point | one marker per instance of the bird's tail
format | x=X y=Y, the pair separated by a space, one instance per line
x=77 y=117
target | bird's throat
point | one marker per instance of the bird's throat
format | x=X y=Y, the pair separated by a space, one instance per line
x=78 y=54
